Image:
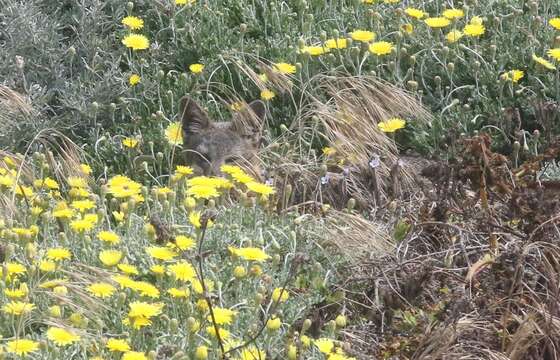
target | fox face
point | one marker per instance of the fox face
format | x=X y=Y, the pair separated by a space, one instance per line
x=208 y=145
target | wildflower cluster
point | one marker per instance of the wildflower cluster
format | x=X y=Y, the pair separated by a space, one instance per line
x=87 y=259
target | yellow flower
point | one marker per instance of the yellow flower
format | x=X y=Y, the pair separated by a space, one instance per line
x=134 y=79
x=24 y=191
x=183 y=170
x=230 y=169
x=134 y=355
x=324 y=345
x=184 y=242
x=110 y=257
x=46 y=183
x=137 y=322
x=336 y=44
x=77 y=182
x=280 y=295
x=130 y=142
x=184 y=2
x=224 y=334
x=83 y=205
x=314 y=50
x=454 y=35
x=58 y=254
x=328 y=151
x=118 y=345
x=128 y=269
x=15 y=269
x=242 y=177
x=136 y=42
x=362 y=35
x=259 y=188
x=55 y=311
x=391 y=125
x=197 y=285
x=381 y=48
x=202 y=192
x=249 y=253
x=474 y=30
x=85 y=168
x=513 y=75
x=179 y=293
x=555 y=23
x=82 y=225
x=453 y=14
x=251 y=353
x=263 y=78
x=222 y=316
x=18 y=308
x=194 y=219
x=78 y=192
x=543 y=62
x=415 y=13
x=61 y=337
x=121 y=187
x=22 y=347
x=20 y=292
x=196 y=68
x=118 y=215
x=273 y=324
x=182 y=271
x=161 y=253
x=239 y=272
x=285 y=68
x=162 y=190
x=437 y=22
x=267 y=94
x=236 y=106
x=47 y=266
x=143 y=309
x=408 y=28
x=51 y=284
x=101 y=290
x=109 y=237
x=554 y=53
x=145 y=289
x=216 y=182
x=174 y=133
x=124 y=281
x=158 y=269
x=133 y=22
x=201 y=353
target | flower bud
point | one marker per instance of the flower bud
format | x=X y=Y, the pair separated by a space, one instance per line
x=201 y=353
x=306 y=325
x=340 y=321
x=273 y=324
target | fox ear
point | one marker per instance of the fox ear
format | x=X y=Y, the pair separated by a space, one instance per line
x=249 y=121
x=259 y=109
x=193 y=118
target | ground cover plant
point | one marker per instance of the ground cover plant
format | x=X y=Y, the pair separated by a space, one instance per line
x=403 y=205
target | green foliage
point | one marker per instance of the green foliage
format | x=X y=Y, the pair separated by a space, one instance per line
x=76 y=70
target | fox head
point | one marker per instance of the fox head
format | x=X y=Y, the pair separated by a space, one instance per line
x=208 y=145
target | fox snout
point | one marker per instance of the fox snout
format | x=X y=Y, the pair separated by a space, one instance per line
x=208 y=145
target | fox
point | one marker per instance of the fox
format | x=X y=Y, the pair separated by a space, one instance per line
x=208 y=145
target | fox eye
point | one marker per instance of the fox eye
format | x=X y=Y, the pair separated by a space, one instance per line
x=231 y=160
